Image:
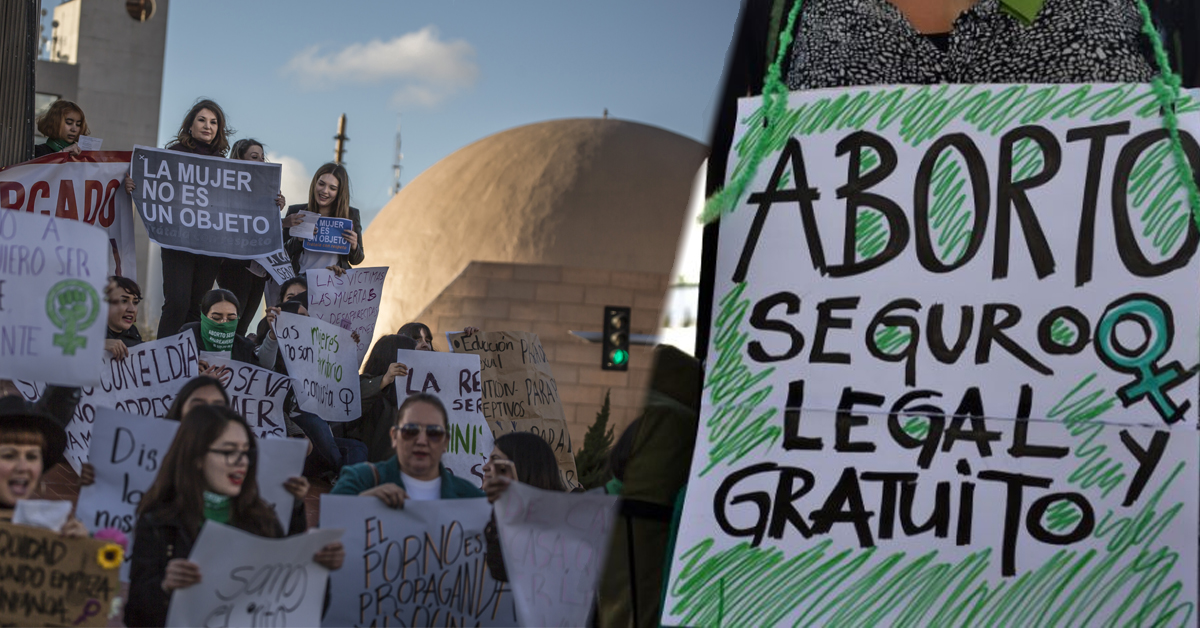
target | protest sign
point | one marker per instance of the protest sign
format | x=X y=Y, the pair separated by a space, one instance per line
x=307 y=228
x=89 y=143
x=422 y=565
x=208 y=205
x=554 y=551
x=52 y=305
x=278 y=460
x=278 y=265
x=248 y=580
x=257 y=394
x=327 y=238
x=350 y=300
x=144 y=383
x=943 y=359
x=519 y=391
x=323 y=362
x=50 y=580
x=454 y=379
x=86 y=188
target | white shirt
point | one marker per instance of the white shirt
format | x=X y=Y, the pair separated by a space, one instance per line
x=312 y=259
x=422 y=490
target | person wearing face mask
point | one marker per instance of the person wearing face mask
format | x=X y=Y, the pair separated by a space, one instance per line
x=62 y=124
x=31 y=441
x=329 y=196
x=217 y=332
x=235 y=274
x=208 y=474
x=419 y=433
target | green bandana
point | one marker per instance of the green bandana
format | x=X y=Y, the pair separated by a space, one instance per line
x=1024 y=10
x=57 y=145
x=217 y=336
x=217 y=507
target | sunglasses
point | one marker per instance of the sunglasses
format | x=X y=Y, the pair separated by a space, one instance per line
x=410 y=431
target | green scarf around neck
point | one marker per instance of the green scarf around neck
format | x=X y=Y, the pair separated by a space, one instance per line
x=217 y=507
x=217 y=336
x=1024 y=11
x=57 y=145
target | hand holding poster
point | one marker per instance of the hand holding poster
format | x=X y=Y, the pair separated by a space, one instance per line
x=144 y=383
x=350 y=300
x=323 y=362
x=454 y=379
x=86 y=188
x=328 y=236
x=519 y=392
x=52 y=306
x=248 y=580
x=422 y=565
x=51 y=580
x=208 y=205
x=280 y=459
x=278 y=265
x=554 y=547
x=955 y=355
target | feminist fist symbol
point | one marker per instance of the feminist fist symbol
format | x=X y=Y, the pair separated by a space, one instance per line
x=346 y=396
x=72 y=306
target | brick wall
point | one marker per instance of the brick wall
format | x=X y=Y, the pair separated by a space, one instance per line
x=550 y=301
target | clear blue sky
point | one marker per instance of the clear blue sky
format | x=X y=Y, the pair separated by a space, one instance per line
x=457 y=70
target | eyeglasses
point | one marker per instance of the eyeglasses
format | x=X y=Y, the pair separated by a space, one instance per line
x=410 y=431
x=234 y=457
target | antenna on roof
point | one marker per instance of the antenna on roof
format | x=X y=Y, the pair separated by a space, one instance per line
x=340 y=139
x=397 y=167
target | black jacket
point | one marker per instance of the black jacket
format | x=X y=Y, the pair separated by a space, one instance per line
x=43 y=149
x=131 y=337
x=295 y=246
x=157 y=540
x=243 y=347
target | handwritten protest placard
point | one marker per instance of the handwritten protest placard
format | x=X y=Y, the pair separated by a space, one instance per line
x=248 y=580
x=952 y=354
x=554 y=546
x=278 y=460
x=257 y=394
x=454 y=379
x=52 y=308
x=144 y=383
x=350 y=301
x=86 y=188
x=208 y=205
x=50 y=580
x=422 y=565
x=327 y=238
x=278 y=265
x=323 y=362
x=519 y=391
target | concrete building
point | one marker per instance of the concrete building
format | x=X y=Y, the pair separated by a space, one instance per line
x=536 y=229
x=111 y=65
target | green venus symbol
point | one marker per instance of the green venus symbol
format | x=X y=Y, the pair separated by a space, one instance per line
x=72 y=306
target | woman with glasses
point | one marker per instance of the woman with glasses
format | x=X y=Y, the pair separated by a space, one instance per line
x=419 y=436
x=208 y=474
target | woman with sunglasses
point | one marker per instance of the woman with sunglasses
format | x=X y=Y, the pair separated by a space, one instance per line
x=419 y=437
x=208 y=474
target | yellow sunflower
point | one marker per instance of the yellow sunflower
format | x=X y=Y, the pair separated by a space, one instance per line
x=110 y=556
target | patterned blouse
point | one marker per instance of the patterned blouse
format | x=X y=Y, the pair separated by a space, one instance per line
x=841 y=43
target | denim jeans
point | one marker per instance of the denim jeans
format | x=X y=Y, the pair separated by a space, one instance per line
x=329 y=454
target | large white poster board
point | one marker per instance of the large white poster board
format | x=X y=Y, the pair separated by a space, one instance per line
x=350 y=300
x=323 y=362
x=948 y=370
x=454 y=379
x=422 y=565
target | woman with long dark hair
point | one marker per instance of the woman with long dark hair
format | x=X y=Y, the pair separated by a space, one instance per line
x=379 y=400
x=329 y=196
x=217 y=331
x=522 y=457
x=208 y=474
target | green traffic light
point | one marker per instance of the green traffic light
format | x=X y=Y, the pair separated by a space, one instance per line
x=620 y=356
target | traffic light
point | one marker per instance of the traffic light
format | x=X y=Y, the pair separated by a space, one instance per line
x=615 y=356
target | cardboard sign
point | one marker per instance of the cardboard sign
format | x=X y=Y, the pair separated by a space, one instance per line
x=278 y=460
x=323 y=362
x=278 y=265
x=248 y=580
x=145 y=384
x=86 y=188
x=422 y=565
x=328 y=236
x=208 y=205
x=350 y=301
x=52 y=306
x=454 y=379
x=519 y=391
x=554 y=551
x=950 y=365
x=50 y=580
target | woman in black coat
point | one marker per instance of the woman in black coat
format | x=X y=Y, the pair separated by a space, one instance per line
x=217 y=331
x=329 y=196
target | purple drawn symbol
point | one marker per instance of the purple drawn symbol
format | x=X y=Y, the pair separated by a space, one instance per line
x=91 y=609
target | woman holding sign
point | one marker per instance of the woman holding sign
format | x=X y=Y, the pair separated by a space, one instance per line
x=217 y=332
x=62 y=124
x=208 y=474
x=329 y=197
